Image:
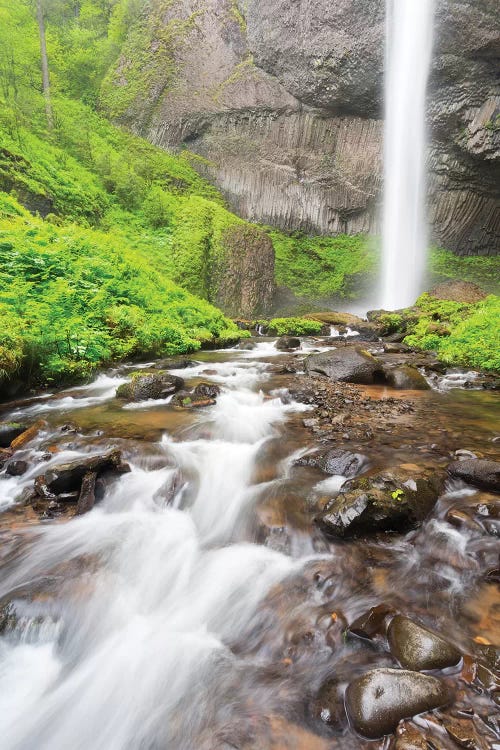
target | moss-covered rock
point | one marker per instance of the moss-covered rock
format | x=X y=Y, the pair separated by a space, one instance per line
x=152 y=385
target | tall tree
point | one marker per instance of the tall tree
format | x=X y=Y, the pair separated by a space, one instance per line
x=45 y=64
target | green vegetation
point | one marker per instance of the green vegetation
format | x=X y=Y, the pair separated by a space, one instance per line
x=294 y=327
x=317 y=267
x=461 y=334
x=482 y=270
x=93 y=281
x=73 y=298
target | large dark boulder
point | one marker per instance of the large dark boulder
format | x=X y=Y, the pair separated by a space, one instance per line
x=417 y=648
x=478 y=472
x=350 y=364
x=391 y=501
x=151 y=385
x=287 y=343
x=335 y=461
x=378 y=700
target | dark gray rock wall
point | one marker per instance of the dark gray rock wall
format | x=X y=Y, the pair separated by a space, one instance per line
x=283 y=98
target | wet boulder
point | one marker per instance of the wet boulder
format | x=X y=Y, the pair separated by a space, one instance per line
x=9 y=431
x=417 y=648
x=16 y=468
x=478 y=472
x=206 y=390
x=350 y=364
x=406 y=377
x=68 y=477
x=287 y=343
x=377 y=701
x=152 y=385
x=335 y=461
x=390 y=501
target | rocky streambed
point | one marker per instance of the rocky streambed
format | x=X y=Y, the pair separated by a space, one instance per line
x=286 y=545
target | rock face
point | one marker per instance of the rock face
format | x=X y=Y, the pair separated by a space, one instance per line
x=284 y=101
x=349 y=365
x=392 y=501
x=417 y=648
x=377 y=701
x=244 y=277
x=476 y=471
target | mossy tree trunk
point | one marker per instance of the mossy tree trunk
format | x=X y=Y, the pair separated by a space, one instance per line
x=45 y=64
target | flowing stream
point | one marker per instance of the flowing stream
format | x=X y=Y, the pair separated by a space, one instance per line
x=408 y=58
x=196 y=607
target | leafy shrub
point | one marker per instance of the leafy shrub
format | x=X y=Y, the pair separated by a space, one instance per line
x=294 y=327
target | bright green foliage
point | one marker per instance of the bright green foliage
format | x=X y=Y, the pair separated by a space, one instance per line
x=484 y=271
x=74 y=298
x=318 y=267
x=294 y=326
x=462 y=334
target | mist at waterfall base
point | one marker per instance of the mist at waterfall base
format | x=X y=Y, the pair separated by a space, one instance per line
x=409 y=36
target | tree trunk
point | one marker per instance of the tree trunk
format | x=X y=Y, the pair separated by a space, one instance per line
x=45 y=65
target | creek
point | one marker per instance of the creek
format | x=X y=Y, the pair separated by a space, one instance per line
x=197 y=606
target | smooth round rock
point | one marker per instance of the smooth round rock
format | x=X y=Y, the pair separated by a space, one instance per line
x=417 y=648
x=378 y=700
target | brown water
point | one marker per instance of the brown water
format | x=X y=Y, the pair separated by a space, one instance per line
x=211 y=621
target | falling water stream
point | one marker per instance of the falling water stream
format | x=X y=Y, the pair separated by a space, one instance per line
x=409 y=38
x=204 y=617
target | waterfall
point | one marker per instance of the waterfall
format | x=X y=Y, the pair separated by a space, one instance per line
x=408 y=58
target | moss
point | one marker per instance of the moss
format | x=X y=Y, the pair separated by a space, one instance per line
x=294 y=327
x=317 y=267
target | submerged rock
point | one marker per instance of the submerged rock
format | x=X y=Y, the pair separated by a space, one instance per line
x=417 y=648
x=377 y=701
x=478 y=472
x=406 y=377
x=287 y=343
x=328 y=706
x=335 y=461
x=153 y=385
x=391 y=501
x=350 y=365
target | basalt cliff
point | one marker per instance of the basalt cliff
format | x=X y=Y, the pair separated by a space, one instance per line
x=282 y=101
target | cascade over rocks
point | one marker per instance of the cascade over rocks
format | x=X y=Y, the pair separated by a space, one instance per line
x=350 y=364
x=394 y=500
x=377 y=701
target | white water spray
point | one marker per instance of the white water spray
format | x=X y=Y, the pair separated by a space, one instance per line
x=408 y=58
